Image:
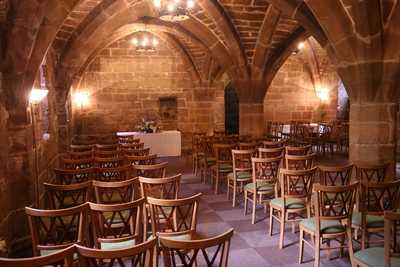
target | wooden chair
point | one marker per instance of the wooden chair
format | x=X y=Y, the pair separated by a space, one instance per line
x=54 y=230
x=295 y=197
x=76 y=164
x=152 y=171
x=116 y=192
x=81 y=148
x=371 y=173
x=387 y=256
x=223 y=163
x=137 y=152
x=141 y=160
x=110 y=162
x=333 y=206
x=303 y=162
x=375 y=199
x=139 y=255
x=61 y=196
x=133 y=146
x=213 y=251
x=79 y=155
x=263 y=187
x=298 y=150
x=63 y=258
x=197 y=151
x=129 y=139
x=335 y=175
x=62 y=176
x=271 y=152
x=113 y=174
x=118 y=226
x=209 y=158
x=241 y=174
x=273 y=144
x=174 y=218
x=247 y=146
x=106 y=147
x=161 y=188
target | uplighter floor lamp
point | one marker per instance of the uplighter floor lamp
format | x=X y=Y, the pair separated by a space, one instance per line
x=36 y=96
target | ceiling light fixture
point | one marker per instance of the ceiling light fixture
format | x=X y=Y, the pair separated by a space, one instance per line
x=145 y=42
x=174 y=10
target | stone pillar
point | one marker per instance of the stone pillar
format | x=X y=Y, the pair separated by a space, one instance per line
x=251 y=118
x=373 y=133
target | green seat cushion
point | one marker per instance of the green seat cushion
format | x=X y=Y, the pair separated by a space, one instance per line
x=374 y=257
x=118 y=245
x=240 y=176
x=261 y=186
x=224 y=167
x=211 y=161
x=291 y=203
x=47 y=252
x=373 y=221
x=327 y=226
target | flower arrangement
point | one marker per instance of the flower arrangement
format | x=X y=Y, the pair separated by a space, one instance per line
x=148 y=123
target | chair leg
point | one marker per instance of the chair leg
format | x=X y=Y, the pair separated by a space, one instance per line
x=216 y=182
x=253 y=212
x=282 y=229
x=317 y=250
x=234 y=194
x=271 y=220
x=245 y=203
x=350 y=244
x=301 y=250
x=227 y=189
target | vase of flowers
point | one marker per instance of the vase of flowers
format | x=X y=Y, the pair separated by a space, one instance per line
x=148 y=123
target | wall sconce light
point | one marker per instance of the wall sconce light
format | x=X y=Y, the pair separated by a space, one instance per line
x=300 y=45
x=37 y=95
x=81 y=99
x=323 y=94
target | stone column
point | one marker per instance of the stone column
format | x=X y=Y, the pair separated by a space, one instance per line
x=251 y=118
x=373 y=128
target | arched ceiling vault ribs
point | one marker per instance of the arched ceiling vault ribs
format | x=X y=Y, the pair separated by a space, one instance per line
x=81 y=63
x=312 y=63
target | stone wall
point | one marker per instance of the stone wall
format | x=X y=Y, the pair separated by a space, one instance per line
x=125 y=85
x=292 y=96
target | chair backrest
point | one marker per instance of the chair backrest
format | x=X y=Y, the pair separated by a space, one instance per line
x=63 y=176
x=81 y=148
x=132 y=146
x=391 y=247
x=111 y=162
x=303 y=162
x=112 y=223
x=265 y=169
x=247 y=146
x=371 y=173
x=174 y=215
x=298 y=150
x=241 y=160
x=162 y=188
x=57 y=229
x=151 y=171
x=335 y=175
x=116 y=192
x=137 y=152
x=62 y=196
x=141 y=160
x=129 y=139
x=109 y=154
x=79 y=155
x=333 y=202
x=375 y=198
x=62 y=258
x=271 y=152
x=115 y=173
x=139 y=255
x=75 y=164
x=297 y=183
x=106 y=147
x=209 y=252
x=223 y=153
x=273 y=144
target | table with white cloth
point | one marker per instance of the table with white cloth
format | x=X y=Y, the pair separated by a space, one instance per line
x=164 y=143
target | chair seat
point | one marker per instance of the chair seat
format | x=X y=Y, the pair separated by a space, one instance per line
x=291 y=203
x=240 y=176
x=227 y=168
x=372 y=220
x=118 y=245
x=261 y=187
x=47 y=252
x=327 y=226
x=374 y=257
x=211 y=161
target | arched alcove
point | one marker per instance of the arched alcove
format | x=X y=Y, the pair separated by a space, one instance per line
x=231 y=110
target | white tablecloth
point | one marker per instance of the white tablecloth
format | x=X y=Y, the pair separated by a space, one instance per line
x=164 y=144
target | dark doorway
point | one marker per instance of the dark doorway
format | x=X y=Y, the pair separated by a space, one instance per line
x=231 y=111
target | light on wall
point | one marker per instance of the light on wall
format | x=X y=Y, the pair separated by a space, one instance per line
x=81 y=99
x=300 y=45
x=323 y=94
x=145 y=42
x=37 y=95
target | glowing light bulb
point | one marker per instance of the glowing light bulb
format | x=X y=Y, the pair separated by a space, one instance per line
x=157 y=3
x=300 y=45
x=323 y=94
x=177 y=1
x=155 y=41
x=37 y=95
x=171 y=7
x=145 y=41
x=81 y=98
x=135 y=41
x=190 y=4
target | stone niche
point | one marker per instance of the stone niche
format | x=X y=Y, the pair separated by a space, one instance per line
x=168 y=108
